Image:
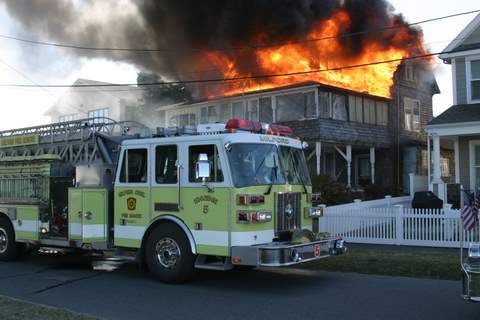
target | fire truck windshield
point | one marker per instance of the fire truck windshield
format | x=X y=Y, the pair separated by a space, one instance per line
x=266 y=164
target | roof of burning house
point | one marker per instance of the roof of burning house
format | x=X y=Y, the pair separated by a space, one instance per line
x=458 y=114
x=299 y=85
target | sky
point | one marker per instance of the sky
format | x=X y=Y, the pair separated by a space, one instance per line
x=27 y=64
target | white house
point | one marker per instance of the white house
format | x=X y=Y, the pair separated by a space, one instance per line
x=94 y=100
x=461 y=122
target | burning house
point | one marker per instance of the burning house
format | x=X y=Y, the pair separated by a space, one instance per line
x=343 y=73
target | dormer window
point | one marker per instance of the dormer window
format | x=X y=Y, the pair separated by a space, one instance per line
x=473 y=80
x=410 y=74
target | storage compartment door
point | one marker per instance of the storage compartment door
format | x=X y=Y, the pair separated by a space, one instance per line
x=75 y=213
x=94 y=227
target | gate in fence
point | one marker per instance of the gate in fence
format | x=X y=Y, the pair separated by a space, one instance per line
x=397 y=225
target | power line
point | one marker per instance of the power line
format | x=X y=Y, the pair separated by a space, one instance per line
x=251 y=77
x=252 y=47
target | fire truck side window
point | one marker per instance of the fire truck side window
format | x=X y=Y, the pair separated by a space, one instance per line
x=134 y=166
x=216 y=174
x=166 y=164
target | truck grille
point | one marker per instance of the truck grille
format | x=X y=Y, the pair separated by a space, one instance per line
x=288 y=214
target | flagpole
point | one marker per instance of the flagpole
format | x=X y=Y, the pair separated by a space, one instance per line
x=460 y=225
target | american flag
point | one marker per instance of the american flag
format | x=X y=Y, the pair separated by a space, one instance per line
x=470 y=210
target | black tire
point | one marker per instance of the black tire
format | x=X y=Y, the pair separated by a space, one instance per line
x=164 y=264
x=9 y=249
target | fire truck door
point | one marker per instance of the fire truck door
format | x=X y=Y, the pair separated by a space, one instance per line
x=94 y=224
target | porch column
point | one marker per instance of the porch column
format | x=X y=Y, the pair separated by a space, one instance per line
x=372 y=164
x=437 y=173
x=318 y=153
x=457 y=160
x=349 y=166
x=429 y=164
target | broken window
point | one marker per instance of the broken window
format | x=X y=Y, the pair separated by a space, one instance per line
x=382 y=113
x=355 y=105
x=368 y=111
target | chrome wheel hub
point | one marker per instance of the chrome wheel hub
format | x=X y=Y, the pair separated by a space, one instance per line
x=168 y=252
x=3 y=240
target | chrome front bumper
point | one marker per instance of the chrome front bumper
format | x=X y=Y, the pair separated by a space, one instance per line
x=282 y=254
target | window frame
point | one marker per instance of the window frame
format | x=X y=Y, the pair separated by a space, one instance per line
x=187 y=164
x=154 y=164
x=306 y=91
x=471 y=166
x=410 y=104
x=468 y=64
x=67 y=117
x=96 y=118
x=120 y=165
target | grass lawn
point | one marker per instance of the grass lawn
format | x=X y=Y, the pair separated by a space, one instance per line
x=18 y=310
x=395 y=261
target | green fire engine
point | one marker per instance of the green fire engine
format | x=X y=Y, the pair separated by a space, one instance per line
x=213 y=196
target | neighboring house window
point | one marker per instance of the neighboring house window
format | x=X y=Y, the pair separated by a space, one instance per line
x=412 y=114
x=474 y=80
x=474 y=164
x=97 y=114
x=67 y=117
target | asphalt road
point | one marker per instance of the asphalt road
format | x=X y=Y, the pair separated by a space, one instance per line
x=126 y=293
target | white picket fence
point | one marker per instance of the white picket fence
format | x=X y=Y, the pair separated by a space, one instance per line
x=396 y=225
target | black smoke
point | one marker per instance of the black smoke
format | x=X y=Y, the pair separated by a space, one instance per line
x=184 y=29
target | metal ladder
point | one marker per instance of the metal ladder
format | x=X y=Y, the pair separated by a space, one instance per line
x=74 y=141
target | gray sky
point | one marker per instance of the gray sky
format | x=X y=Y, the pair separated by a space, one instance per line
x=23 y=63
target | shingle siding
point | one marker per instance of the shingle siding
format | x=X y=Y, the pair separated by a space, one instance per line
x=461 y=80
x=341 y=132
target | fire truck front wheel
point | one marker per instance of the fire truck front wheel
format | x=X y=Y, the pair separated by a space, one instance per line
x=9 y=249
x=168 y=255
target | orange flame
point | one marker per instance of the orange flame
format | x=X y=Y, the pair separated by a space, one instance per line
x=322 y=61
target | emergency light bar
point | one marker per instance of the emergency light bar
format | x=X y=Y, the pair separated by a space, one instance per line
x=257 y=127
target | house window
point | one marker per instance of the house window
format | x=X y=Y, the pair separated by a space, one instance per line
x=355 y=105
x=369 y=111
x=225 y=113
x=266 y=110
x=238 y=109
x=474 y=80
x=339 y=107
x=409 y=72
x=98 y=115
x=382 y=113
x=296 y=106
x=412 y=114
x=208 y=114
x=445 y=167
x=66 y=118
x=324 y=105
x=474 y=165
x=252 y=110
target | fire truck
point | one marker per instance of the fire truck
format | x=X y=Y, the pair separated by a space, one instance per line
x=178 y=199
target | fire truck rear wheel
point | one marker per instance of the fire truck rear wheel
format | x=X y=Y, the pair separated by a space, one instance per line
x=9 y=249
x=168 y=255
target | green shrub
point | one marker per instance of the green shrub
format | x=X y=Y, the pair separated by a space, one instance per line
x=332 y=192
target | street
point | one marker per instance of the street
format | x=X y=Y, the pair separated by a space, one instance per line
x=126 y=293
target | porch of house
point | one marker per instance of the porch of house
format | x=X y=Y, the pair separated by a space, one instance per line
x=354 y=165
x=466 y=141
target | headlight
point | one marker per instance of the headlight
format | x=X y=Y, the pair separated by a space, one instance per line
x=474 y=250
x=314 y=212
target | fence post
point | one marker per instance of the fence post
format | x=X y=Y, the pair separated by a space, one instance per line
x=412 y=184
x=398 y=209
x=389 y=201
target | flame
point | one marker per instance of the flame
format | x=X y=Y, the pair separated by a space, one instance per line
x=322 y=61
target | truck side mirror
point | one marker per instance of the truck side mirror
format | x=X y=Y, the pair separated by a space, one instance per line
x=202 y=170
